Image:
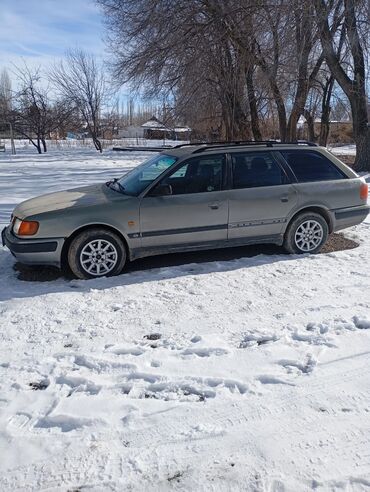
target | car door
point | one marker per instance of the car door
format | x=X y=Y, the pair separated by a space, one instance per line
x=261 y=197
x=196 y=211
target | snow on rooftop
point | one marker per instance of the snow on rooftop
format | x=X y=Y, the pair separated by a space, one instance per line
x=154 y=123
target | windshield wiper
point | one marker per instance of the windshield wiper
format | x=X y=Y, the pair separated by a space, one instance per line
x=115 y=181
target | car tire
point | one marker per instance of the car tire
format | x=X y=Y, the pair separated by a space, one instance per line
x=96 y=252
x=306 y=234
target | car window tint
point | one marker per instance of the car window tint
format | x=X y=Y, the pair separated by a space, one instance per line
x=198 y=175
x=311 y=166
x=256 y=169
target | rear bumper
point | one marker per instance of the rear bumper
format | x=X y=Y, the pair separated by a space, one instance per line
x=33 y=251
x=348 y=217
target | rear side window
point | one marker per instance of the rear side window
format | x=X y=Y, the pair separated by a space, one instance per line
x=256 y=169
x=311 y=166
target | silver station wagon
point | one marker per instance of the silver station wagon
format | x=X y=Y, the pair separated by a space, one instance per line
x=191 y=197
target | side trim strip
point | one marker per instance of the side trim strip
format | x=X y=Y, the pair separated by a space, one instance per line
x=185 y=230
x=252 y=223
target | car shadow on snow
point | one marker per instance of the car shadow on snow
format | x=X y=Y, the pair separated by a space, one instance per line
x=31 y=281
x=45 y=274
x=42 y=280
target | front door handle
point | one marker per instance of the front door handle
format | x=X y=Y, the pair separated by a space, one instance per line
x=284 y=199
x=214 y=206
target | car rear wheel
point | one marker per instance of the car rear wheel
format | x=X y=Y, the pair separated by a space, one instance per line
x=307 y=233
x=96 y=253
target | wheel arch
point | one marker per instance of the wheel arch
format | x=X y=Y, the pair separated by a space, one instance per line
x=315 y=209
x=69 y=239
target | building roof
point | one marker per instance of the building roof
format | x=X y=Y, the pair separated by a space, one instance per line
x=155 y=124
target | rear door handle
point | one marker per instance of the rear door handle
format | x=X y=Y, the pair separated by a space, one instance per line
x=284 y=199
x=214 y=206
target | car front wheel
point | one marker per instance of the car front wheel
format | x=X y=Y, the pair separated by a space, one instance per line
x=307 y=233
x=96 y=253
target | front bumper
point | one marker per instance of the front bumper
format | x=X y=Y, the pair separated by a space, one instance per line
x=33 y=251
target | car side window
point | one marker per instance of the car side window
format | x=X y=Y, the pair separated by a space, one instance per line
x=311 y=166
x=198 y=175
x=256 y=169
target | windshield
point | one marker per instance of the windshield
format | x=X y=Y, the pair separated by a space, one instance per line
x=135 y=181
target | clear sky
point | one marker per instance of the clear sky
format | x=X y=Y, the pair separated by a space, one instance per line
x=40 y=31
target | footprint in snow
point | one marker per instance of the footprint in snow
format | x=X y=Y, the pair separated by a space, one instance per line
x=294 y=366
x=204 y=352
x=253 y=340
x=265 y=379
x=361 y=323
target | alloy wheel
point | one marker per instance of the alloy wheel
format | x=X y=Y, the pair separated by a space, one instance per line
x=98 y=257
x=309 y=235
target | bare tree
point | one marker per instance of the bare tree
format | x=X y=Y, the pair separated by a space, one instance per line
x=80 y=80
x=34 y=114
x=190 y=59
x=32 y=107
x=5 y=93
x=237 y=64
x=350 y=76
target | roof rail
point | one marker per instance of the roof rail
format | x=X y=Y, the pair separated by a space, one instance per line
x=192 y=143
x=243 y=143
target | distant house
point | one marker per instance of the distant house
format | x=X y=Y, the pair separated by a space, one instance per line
x=154 y=129
x=181 y=133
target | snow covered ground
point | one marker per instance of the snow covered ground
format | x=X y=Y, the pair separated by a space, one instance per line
x=250 y=374
x=349 y=149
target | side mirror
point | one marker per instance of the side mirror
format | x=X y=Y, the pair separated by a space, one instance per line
x=161 y=190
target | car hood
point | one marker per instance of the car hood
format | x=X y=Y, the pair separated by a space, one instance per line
x=85 y=196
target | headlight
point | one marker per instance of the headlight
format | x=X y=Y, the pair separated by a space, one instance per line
x=25 y=227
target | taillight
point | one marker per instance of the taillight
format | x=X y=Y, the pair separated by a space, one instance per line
x=25 y=227
x=364 y=191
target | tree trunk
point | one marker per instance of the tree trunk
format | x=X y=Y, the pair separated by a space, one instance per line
x=240 y=123
x=97 y=143
x=38 y=145
x=44 y=144
x=280 y=107
x=362 y=162
x=361 y=132
x=310 y=125
x=324 y=129
x=325 y=111
x=257 y=135
x=278 y=99
x=292 y=124
x=355 y=89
